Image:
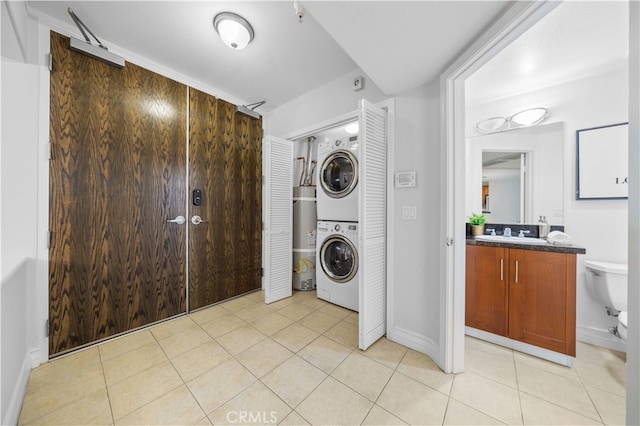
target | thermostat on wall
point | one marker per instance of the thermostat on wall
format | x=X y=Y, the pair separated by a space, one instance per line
x=406 y=179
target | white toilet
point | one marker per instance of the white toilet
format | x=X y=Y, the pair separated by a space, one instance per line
x=608 y=283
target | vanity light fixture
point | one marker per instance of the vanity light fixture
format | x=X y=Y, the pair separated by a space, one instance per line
x=234 y=30
x=526 y=118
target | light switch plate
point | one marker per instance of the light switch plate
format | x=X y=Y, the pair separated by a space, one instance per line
x=409 y=212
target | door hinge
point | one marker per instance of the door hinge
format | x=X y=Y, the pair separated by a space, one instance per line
x=262 y=272
x=50 y=62
x=49 y=233
x=449 y=242
x=48 y=151
x=47 y=328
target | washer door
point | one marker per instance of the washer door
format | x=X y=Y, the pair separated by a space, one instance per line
x=339 y=259
x=339 y=174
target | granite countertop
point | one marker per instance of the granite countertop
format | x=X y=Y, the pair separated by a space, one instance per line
x=555 y=248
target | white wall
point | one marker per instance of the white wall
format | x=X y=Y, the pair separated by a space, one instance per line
x=321 y=104
x=598 y=225
x=19 y=38
x=19 y=264
x=416 y=244
x=414 y=281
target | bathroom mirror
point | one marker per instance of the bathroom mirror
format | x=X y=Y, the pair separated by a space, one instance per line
x=505 y=192
x=521 y=171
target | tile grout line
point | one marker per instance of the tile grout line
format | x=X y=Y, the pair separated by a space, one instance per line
x=345 y=319
x=375 y=403
x=205 y=372
x=266 y=337
x=554 y=403
x=106 y=386
x=157 y=341
x=293 y=409
x=515 y=369
x=317 y=309
x=595 y=406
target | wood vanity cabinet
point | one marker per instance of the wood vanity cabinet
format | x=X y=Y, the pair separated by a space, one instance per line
x=542 y=299
x=486 y=291
x=540 y=292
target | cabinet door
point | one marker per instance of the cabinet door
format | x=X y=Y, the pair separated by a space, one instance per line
x=486 y=292
x=542 y=295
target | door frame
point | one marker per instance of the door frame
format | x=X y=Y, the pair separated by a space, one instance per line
x=388 y=105
x=518 y=19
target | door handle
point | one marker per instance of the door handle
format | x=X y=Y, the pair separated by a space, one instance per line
x=179 y=220
x=196 y=220
x=516 y=271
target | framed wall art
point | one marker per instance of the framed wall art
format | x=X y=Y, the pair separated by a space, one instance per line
x=602 y=162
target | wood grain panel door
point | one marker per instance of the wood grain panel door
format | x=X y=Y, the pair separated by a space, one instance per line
x=225 y=165
x=117 y=174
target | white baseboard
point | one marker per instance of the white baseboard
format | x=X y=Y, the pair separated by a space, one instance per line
x=416 y=342
x=37 y=357
x=526 y=348
x=600 y=337
x=15 y=404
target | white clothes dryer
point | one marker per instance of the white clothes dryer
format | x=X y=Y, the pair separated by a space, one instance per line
x=337 y=263
x=337 y=178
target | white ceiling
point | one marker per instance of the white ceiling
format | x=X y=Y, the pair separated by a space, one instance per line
x=398 y=45
x=577 y=39
x=404 y=44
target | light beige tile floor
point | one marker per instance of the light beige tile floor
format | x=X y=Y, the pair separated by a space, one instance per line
x=296 y=362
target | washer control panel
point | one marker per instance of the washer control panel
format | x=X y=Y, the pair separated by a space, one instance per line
x=349 y=143
x=342 y=228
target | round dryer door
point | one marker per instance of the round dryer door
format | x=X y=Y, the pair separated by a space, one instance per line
x=339 y=174
x=339 y=259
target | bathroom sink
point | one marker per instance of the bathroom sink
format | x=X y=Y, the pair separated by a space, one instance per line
x=512 y=240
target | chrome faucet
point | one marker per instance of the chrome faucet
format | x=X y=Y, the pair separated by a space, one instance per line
x=492 y=230
x=522 y=232
x=507 y=232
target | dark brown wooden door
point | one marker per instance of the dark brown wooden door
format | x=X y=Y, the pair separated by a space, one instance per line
x=486 y=303
x=225 y=164
x=542 y=296
x=117 y=174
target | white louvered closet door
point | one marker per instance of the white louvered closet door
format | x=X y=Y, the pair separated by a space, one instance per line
x=373 y=217
x=278 y=232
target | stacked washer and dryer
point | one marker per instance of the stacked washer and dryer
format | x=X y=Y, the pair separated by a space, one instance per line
x=338 y=229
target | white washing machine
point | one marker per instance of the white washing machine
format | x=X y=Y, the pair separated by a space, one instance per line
x=337 y=178
x=337 y=263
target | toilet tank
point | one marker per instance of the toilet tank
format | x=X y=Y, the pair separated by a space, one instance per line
x=608 y=283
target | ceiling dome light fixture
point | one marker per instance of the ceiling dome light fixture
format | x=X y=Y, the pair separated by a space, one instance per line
x=352 y=128
x=526 y=118
x=234 y=30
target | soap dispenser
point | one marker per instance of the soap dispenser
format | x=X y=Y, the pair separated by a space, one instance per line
x=543 y=227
